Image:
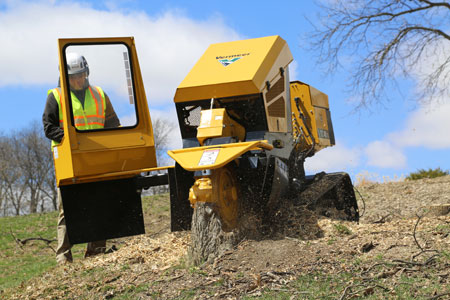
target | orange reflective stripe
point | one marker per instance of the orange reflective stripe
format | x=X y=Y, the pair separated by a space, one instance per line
x=91 y=123
x=95 y=99
x=89 y=119
x=89 y=116
x=101 y=98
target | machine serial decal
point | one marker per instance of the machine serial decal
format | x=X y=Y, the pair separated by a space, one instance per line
x=208 y=157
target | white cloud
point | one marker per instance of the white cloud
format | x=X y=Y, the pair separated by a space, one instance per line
x=382 y=154
x=168 y=44
x=427 y=127
x=334 y=159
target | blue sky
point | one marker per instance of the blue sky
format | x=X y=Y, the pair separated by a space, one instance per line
x=171 y=35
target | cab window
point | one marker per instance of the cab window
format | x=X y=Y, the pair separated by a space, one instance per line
x=101 y=89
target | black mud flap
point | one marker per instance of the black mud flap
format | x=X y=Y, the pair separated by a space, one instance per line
x=180 y=181
x=102 y=210
x=325 y=191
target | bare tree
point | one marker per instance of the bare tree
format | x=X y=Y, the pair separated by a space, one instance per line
x=26 y=172
x=33 y=157
x=12 y=181
x=49 y=189
x=162 y=128
x=3 y=166
x=382 y=40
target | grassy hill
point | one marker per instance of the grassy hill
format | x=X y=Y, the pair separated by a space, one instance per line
x=20 y=262
x=390 y=254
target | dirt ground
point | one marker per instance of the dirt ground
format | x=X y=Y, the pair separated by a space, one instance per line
x=403 y=234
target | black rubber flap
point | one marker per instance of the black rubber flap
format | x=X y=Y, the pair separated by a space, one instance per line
x=102 y=210
x=180 y=181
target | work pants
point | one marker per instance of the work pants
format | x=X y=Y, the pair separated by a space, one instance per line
x=63 y=251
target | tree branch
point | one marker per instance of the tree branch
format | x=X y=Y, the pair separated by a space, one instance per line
x=384 y=39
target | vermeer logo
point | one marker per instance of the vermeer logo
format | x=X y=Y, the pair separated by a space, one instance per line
x=229 y=59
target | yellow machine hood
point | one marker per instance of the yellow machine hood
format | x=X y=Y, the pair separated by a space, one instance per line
x=234 y=68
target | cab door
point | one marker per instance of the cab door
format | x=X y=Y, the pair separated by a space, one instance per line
x=96 y=167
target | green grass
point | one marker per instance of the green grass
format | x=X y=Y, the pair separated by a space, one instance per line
x=156 y=205
x=322 y=286
x=20 y=263
x=430 y=173
x=341 y=229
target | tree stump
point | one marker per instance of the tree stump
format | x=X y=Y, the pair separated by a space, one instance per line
x=438 y=210
x=208 y=240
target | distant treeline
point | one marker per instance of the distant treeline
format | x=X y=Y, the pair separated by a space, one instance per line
x=27 y=177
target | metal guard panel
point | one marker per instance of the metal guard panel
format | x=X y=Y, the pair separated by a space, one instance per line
x=102 y=210
x=213 y=157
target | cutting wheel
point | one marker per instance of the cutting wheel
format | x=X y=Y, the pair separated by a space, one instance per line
x=225 y=191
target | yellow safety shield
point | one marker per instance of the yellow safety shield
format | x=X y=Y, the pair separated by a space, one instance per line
x=213 y=157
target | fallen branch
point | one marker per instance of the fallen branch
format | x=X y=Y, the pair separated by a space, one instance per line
x=170 y=279
x=414 y=232
x=422 y=250
x=349 y=287
x=382 y=219
x=364 y=202
x=22 y=242
x=428 y=261
x=375 y=265
x=439 y=296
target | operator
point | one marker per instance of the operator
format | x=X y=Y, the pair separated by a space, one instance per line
x=92 y=109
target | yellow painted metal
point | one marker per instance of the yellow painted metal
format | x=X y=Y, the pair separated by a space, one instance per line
x=216 y=123
x=225 y=195
x=314 y=106
x=201 y=191
x=250 y=64
x=94 y=154
x=118 y=175
x=213 y=157
x=222 y=189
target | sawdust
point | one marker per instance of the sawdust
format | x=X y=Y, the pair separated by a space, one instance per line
x=390 y=242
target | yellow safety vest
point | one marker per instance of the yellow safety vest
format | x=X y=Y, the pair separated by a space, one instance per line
x=92 y=116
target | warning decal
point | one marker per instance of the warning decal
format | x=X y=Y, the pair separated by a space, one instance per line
x=208 y=157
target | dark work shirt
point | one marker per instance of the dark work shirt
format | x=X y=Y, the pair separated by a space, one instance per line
x=50 y=117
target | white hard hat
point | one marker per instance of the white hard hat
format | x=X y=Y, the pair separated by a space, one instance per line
x=76 y=63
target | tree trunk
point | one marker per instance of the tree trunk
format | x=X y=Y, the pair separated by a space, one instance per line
x=33 y=201
x=208 y=240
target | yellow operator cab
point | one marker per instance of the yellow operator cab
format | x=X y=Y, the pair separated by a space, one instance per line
x=108 y=139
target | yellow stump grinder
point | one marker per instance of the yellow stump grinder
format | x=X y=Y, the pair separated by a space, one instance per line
x=246 y=132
